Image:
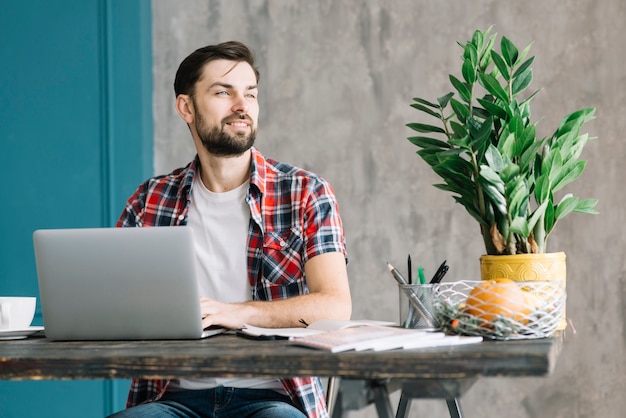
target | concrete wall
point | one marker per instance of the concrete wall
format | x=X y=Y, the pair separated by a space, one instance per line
x=337 y=78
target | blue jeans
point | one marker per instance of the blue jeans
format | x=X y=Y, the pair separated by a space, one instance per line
x=219 y=402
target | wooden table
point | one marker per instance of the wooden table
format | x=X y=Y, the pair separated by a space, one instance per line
x=443 y=372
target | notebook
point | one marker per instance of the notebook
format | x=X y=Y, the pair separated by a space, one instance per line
x=118 y=284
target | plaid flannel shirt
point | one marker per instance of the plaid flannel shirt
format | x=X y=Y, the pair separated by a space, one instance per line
x=294 y=217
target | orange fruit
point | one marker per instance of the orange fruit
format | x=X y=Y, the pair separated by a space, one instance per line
x=498 y=297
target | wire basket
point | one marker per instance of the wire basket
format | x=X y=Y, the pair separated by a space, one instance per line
x=500 y=311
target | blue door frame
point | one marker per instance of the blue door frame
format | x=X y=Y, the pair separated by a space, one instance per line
x=76 y=134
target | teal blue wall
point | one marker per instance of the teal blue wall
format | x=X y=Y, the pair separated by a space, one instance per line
x=76 y=135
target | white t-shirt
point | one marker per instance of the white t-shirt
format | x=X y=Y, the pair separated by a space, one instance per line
x=219 y=222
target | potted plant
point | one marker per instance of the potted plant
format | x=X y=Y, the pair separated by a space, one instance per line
x=485 y=148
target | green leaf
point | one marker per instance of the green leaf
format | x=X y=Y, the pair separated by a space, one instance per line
x=443 y=100
x=425 y=109
x=422 y=127
x=479 y=129
x=429 y=155
x=586 y=206
x=552 y=164
x=517 y=197
x=491 y=176
x=472 y=210
x=507 y=144
x=492 y=86
x=575 y=150
x=567 y=204
x=549 y=219
x=426 y=102
x=453 y=152
x=542 y=188
x=537 y=214
x=567 y=174
x=495 y=196
x=509 y=51
x=426 y=142
x=495 y=73
x=527 y=138
x=470 y=53
x=477 y=39
x=469 y=71
x=524 y=66
x=449 y=188
x=459 y=130
x=493 y=109
x=522 y=81
x=509 y=172
x=520 y=226
x=460 y=110
x=480 y=113
x=527 y=158
x=461 y=87
x=457 y=164
x=485 y=57
x=526 y=102
x=494 y=159
x=523 y=54
x=499 y=62
x=577 y=118
x=457 y=182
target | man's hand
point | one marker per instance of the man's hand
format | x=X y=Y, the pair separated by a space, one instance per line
x=227 y=315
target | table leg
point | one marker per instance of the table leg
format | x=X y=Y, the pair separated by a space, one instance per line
x=403 y=406
x=354 y=394
x=331 y=394
x=454 y=406
x=381 y=399
x=337 y=411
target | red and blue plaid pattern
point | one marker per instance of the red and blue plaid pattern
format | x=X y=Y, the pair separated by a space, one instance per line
x=294 y=217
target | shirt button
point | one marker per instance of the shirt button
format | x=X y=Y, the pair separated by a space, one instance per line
x=283 y=244
x=181 y=217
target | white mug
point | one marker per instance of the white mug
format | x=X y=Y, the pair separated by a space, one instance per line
x=16 y=312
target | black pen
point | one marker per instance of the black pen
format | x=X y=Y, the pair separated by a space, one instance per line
x=410 y=269
x=441 y=271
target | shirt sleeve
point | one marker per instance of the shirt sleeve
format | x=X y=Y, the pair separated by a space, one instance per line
x=323 y=229
x=131 y=215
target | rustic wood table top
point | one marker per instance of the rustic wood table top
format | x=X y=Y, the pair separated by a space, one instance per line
x=234 y=356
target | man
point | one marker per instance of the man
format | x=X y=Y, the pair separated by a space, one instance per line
x=269 y=241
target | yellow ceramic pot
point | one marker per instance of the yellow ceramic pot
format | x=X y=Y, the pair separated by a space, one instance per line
x=525 y=267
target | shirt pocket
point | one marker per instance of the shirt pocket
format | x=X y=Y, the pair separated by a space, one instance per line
x=283 y=273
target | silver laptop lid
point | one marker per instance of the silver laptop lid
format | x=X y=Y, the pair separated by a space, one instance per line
x=118 y=283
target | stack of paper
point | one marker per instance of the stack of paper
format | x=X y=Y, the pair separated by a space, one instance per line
x=316 y=327
x=359 y=335
x=378 y=338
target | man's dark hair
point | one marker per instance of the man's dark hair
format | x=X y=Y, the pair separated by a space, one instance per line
x=190 y=69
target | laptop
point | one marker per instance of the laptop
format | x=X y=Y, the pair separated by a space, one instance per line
x=118 y=284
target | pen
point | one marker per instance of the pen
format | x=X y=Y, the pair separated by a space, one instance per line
x=416 y=302
x=420 y=272
x=410 y=269
x=441 y=271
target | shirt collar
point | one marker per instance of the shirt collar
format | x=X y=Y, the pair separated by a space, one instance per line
x=258 y=170
x=192 y=169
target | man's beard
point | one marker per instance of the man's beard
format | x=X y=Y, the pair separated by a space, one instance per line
x=218 y=142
